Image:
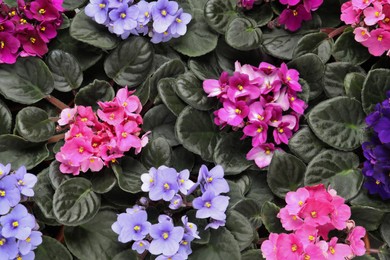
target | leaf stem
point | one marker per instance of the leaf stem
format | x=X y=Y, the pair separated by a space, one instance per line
x=334 y=32
x=60 y=235
x=55 y=138
x=56 y=102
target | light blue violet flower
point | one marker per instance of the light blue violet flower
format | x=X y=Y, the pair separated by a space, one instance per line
x=123 y=18
x=98 y=10
x=9 y=194
x=133 y=226
x=210 y=205
x=164 y=13
x=166 y=238
x=25 y=181
x=19 y=223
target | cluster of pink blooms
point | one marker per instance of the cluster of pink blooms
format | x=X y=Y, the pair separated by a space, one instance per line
x=247 y=4
x=371 y=20
x=26 y=29
x=296 y=12
x=261 y=100
x=90 y=144
x=311 y=213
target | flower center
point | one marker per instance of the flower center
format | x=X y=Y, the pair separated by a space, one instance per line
x=292 y=98
x=151 y=180
x=42 y=11
x=165 y=235
x=267 y=151
x=33 y=40
x=84 y=119
x=295 y=12
x=166 y=186
x=1 y=28
x=378 y=182
x=12 y=13
x=313 y=214
x=146 y=14
x=124 y=104
x=102 y=6
x=281 y=130
x=260 y=129
x=92 y=160
x=141 y=244
x=165 y=33
x=260 y=117
x=307 y=257
x=164 y=12
x=137 y=228
x=2 y=193
x=238 y=111
x=377 y=14
x=23 y=21
x=380 y=37
x=124 y=134
x=2 y=44
x=123 y=15
x=300 y=203
x=207 y=204
x=19 y=258
x=178 y=20
x=184 y=242
x=288 y=78
x=181 y=180
x=294 y=217
x=43 y=28
x=21 y=182
x=81 y=149
x=28 y=240
x=2 y=241
x=210 y=179
x=112 y=116
x=190 y=225
x=311 y=238
x=294 y=247
x=331 y=250
x=240 y=87
x=15 y=224
x=386 y=20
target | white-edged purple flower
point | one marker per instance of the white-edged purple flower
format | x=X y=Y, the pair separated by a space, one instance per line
x=166 y=238
x=9 y=194
x=166 y=186
x=25 y=181
x=211 y=205
x=98 y=10
x=145 y=12
x=183 y=179
x=140 y=246
x=161 y=37
x=179 y=26
x=176 y=202
x=4 y=170
x=164 y=13
x=131 y=226
x=123 y=18
x=190 y=228
x=213 y=180
x=8 y=248
x=149 y=180
x=19 y=223
x=214 y=224
x=118 y=3
x=30 y=243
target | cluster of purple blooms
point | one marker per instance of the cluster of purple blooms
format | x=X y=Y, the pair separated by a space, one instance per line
x=162 y=20
x=377 y=150
x=263 y=102
x=19 y=234
x=164 y=238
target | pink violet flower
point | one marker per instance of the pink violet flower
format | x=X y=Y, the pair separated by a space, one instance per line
x=268 y=247
x=313 y=252
x=295 y=200
x=258 y=131
x=378 y=42
x=216 y=88
x=262 y=154
x=373 y=14
x=349 y=14
x=316 y=212
x=292 y=18
x=361 y=4
x=289 y=247
x=9 y=46
x=290 y=221
x=307 y=234
x=239 y=86
x=233 y=114
x=312 y=5
x=385 y=23
x=361 y=34
x=356 y=242
x=337 y=250
x=290 y=77
x=258 y=113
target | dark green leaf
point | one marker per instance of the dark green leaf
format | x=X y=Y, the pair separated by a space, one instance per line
x=103 y=181
x=43 y=194
x=182 y=159
x=270 y=221
x=27 y=81
x=347 y=49
x=5 y=119
x=240 y=227
x=353 y=85
x=130 y=63
x=367 y=217
x=259 y=190
x=52 y=249
x=205 y=67
x=199 y=136
x=375 y=86
x=74 y=202
x=371 y=201
x=230 y=153
x=169 y=97
x=338 y=122
x=337 y=169
x=281 y=181
x=157 y=153
x=218 y=14
x=334 y=77
x=330 y=12
x=262 y=14
x=305 y=144
x=253 y=254
x=243 y=34
x=204 y=234
x=129 y=254
x=86 y=30
x=98 y=90
x=251 y=210
x=56 y=176
x=72 y=4
x=34 y=124
x=129 y=174
x=18 y=152
x=11 y=3
x=66 y=70
x=318 y=43
x=385 y=229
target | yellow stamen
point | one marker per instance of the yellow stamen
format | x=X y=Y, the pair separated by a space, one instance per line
x=23 y=21
x=21 y=182
x=2 y=44
x=386 y=20
x=267 y=151
x=281 y=130
x=377 y=14
x=363 y=32
x=240 y=87
x=12 y=13
x=81 y=149
x=260 y=129
x=113 y=160
x=42 y=11
x=292 y=98
x=294 y=248
x=151 y=180
x=378 y=182
x=210 y=179
x=15 y=224
x=307 y=257
x=102 y=6
x=313 y=214
x=112 y=117
x=238 y=111
x=19 y=258
x=300 y=203
x=184 y=242
x=181 y=181
x=43 y=28
x=164 y=12
x=331 y=250
x=124 y=104
x=28 y=240
x=178 y=20
x=166 y=186
x=1 y=28
x=294 y=217
x=165 y=33
x=79 y=135
x=288 y=78
x=2 y=193
x=84 y=119
x=165 y=235
x=94 y=145
x=311 y=238
x=190 y=225
x=123 y=15
x=295 y=12
x=33 y=40
x=2 y=241
x=92 y=160
x=141 y=244
x=146 y=14
x=260 y=117
x=124 y=134
x=380 y=37
x=137 y=228
x=207 y=204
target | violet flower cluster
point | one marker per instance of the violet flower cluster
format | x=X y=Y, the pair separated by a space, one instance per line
x=91 y=143
x=26 y=30
x=166 y=185
x=377 y=150
x=263 y=102
x=311 y=213
x=371 y=22
x=296 y=12
x=162 y=20
x=19 y=234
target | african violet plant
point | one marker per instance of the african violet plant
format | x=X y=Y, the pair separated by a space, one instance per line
x=199 y=129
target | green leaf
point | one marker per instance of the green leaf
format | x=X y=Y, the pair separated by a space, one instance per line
x=311 y=69
x=353 y=85
x=367 y=217
x=182 y=159
x=73 y=4
x=371 y=201
x=337 y=169
x=259 y=190
x=240 y=227
x=330 y=12
x=11 y=3
x=126 y=255
x=251 y=210
x=205 y=67
x=86 y=30
x=200 y=38
x=56 y=176
x=338 y=122
x=243 y=34
x=43 y=194
x=262 y=14
x=130 y=63
x=281 y=180
x=157 y=153
x=335 y=73
x=161 y=122
x=318 y=43
x=252 y=254
x=269 y=211
x=5 y=119
x=230 y=153
x=74 y=202
x=171 y=68
x=189 y=88
x=375 y=86
x=30 y=79
x=98 y=90
x=199 y=136
x=52 y=249
x=20 y=152
x=347 y=49
x=305 y=144
x=95 y=239
x=103 y=181
x=222 y=246
x=385 y=229
x=129 y=174
x=34 y=125
x=66 y=70
x=169 y=97
x=218 y=14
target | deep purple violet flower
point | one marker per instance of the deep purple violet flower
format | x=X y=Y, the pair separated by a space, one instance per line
x=124 y=18
x=163 y=13
x=98 y=9
x=211 y=205
x=132 y=226
x=166 y=238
